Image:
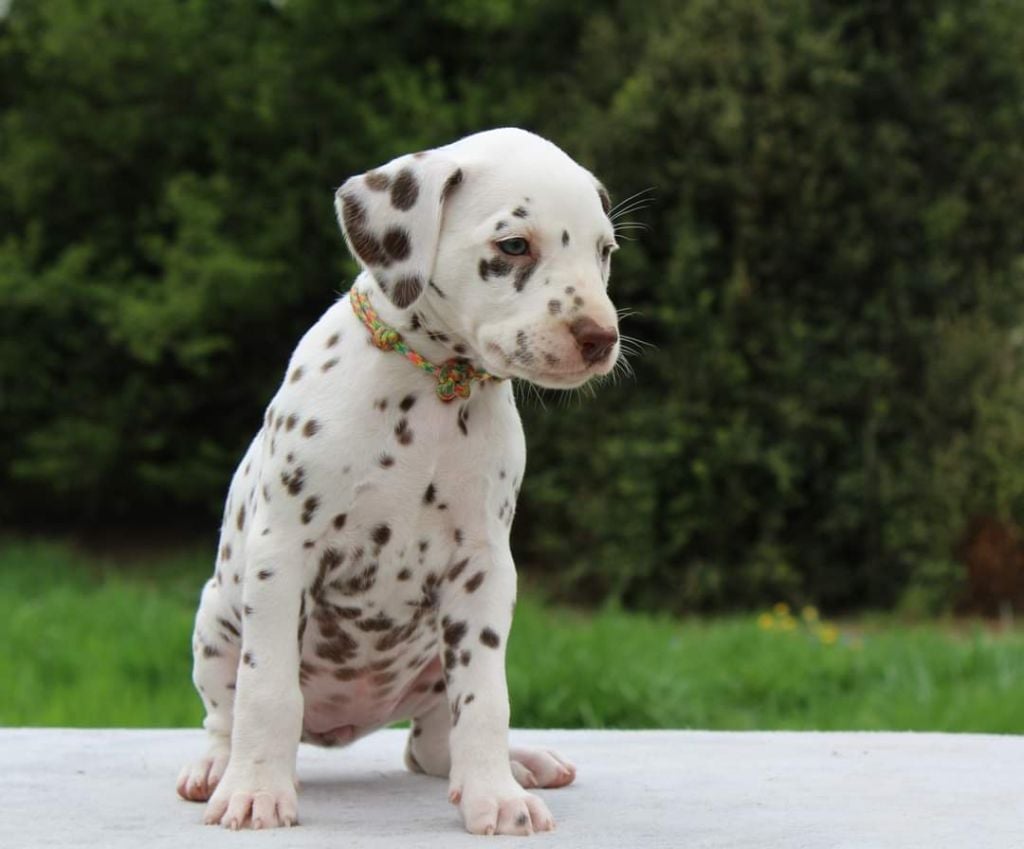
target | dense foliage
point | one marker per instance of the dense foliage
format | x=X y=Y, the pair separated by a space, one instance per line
x=832 y=280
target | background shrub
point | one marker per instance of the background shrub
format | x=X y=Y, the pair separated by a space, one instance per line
x=831 y=281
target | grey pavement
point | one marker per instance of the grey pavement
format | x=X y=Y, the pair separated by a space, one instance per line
x=115 y=788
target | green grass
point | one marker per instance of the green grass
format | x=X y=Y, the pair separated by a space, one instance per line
x=89 y=643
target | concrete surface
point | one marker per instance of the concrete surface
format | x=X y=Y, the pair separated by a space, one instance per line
x=113 y=789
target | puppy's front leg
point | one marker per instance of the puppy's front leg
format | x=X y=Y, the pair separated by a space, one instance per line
x=259 y=782
x=476 y=604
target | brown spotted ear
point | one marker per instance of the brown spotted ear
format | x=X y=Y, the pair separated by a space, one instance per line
x=391 y=218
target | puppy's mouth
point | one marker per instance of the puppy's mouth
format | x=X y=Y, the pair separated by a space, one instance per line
x=562 y=379
x=549 y=377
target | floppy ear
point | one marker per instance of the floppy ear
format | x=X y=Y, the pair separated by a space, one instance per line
x=391 y=218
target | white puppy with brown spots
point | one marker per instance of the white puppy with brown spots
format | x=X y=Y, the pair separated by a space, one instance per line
x=364 y=573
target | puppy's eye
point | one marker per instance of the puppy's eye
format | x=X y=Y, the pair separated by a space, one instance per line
x=514 y=247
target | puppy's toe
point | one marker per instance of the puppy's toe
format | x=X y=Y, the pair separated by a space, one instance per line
x=545 y=767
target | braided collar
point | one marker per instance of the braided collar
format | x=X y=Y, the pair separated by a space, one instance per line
x=454 y=377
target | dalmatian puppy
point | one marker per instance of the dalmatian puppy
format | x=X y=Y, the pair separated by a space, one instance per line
x=364 y=574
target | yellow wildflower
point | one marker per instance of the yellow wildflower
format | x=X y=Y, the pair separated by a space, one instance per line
x=828 y=634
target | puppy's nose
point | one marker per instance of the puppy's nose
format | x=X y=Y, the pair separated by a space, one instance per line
x=595 y=342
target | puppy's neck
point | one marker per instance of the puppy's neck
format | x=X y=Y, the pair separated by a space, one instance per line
x=421 y=325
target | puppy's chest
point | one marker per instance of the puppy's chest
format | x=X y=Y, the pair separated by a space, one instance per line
x=369 y=645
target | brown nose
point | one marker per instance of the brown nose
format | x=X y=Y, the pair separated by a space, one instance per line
x=595 y=342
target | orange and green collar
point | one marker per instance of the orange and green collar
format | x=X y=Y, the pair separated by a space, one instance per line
x=454 y=377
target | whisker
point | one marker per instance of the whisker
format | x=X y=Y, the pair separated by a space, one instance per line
x=638 y=196
x=625 y=313
x=633 y=340
x=632 y=203
x=636 y=206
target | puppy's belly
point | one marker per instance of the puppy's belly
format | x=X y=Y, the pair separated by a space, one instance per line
x=338 y=712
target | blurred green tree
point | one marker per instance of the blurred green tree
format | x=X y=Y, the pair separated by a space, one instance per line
x=832 y=278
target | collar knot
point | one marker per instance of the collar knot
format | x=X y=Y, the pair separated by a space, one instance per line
x=385 y=337
x=454 y=377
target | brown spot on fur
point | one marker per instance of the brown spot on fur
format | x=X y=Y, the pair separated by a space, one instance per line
x=309 y=508
x=494 y=267
x=379 y=622
x=294 y=481
x=402 y=432
x=457 y=569
x=405 y=190
x=453 y=632
x=406 y=290
x=523 y=275
x=396 y=243
x=377 y=181
x=311 y=428
x=490 y=638
x=473 y=584
x=381 y=534
x=450 y=184
x=364 y=244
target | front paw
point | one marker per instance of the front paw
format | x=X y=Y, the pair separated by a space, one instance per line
x=501 y=808
x=259 y=795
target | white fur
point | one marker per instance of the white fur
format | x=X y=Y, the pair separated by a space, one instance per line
x=362 y=431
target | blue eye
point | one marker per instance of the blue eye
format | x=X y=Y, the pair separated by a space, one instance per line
x=514 y=247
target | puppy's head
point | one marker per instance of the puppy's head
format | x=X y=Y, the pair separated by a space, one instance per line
x=510 y=242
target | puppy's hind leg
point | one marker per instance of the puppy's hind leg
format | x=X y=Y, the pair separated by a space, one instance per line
x=427 y=752
x=215 y=651
x=426 y=749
